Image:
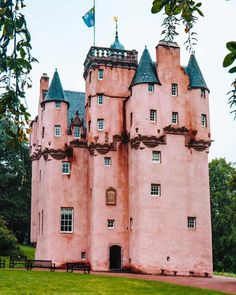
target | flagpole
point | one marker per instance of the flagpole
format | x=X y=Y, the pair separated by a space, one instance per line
x=94 y=23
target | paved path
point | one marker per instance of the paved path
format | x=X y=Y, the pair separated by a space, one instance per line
x=218 y=283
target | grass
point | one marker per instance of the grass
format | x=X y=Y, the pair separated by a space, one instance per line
x=225 y=274
x=25 y=282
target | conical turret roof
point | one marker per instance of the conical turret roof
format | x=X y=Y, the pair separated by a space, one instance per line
x=55 y=91
x=146 y=71
x=195 y=74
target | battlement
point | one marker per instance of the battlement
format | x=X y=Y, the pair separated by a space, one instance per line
x=110 y=57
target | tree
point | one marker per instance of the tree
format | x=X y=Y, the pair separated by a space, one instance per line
x=15 y=65
x=187 y=12
x=223 y=210
x=8 y=242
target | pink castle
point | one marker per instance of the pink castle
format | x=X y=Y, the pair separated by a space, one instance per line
x=120 y=172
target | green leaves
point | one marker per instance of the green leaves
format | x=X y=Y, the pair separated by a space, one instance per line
x=230 y=57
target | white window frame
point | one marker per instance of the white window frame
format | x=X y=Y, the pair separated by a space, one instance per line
x=174 y=89
x=156 y=157
x=100 y=74
x=155 y=190
x=153 y=115
x=76 y=132
x=67 y=220
x=175 y=118
x=65 y=168
x=100 y=124
x=57 y=105
x=57 y=130
x=150 y=88
x=83 y=255
x=110 y=223
x=100 y=100
x=192 y=222
x=204 y=120
x=107 y=161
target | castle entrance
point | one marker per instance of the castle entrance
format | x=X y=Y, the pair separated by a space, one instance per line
x=115 y=257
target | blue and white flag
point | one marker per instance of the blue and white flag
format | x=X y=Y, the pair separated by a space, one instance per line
x=89 y=18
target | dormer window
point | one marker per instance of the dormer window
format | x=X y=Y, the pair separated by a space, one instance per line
x=150 y=88
x=76 y=132
x=100 y=74
x=174 y=89
x=57 y=105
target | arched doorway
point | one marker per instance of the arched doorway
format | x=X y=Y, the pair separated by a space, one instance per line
x=115 y=257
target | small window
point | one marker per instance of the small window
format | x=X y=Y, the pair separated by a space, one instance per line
x=203 y=93
x=100 y=100
x=100 y=74
x=89 y=125
x=204 y=120
x=83 y=255
x=57 y=130
x=174 y=89
x=76 y=132
x=65 y=167
x=153 y=115
x=175 y=118
x=111 y=196
x=131 y=119
x=192 y=222
x=155 y=190
x=111 y=223
x=89 y=101
x=131 y=223
x=100 y=124
x=107 y=161
x=150 y=88
x=156 y=157
x=90 y=76
x=67 y=220
x=57 y=104
x=43 y=129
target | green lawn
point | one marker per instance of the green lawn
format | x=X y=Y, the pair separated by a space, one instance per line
x=60 y=283
x=225 y=274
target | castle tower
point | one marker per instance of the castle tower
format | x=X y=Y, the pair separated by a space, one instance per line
x=108 y=73
x=169 y=204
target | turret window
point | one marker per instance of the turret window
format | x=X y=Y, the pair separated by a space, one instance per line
x=150 y=88
x=174 y=89
x=57 y=130
x=76 y=132
x=204 y=120
x=155 y=190
x=66 y=168
x=100 y=99
x=156 y=157
x=100 y=123
x=57 y=105
x=175 y=118
x=153 y=115
x=100 y=74
x=67 y=220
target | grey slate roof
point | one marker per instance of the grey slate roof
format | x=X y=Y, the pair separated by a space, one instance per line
x=195 y=74
x=146 y=71
x=55 y=91
x=77 y=103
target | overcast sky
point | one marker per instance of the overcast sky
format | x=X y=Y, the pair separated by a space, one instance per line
x=61 y=40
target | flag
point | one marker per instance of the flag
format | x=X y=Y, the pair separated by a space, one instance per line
x=89 y=18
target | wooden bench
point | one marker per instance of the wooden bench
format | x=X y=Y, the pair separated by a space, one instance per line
x=40 y=264
x=2 y=263
x=17 y=260
x=71 y=266
x=163 y=272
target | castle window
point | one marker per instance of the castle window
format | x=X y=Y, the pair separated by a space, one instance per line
x=100 y=124
x=89 y=101
x=156 y=157
x=111 y=196
x=57 y=104
x=107 y=161
x=100 y=100
x=100 y=74
x=76 y=132
x=66 y=168
x=203 y=93
x=155 y=190
x=174 y=89
x=89 y=125
x=175 y=118
x=83 y=255
x=150 y=88
x=131 y=119
x=57 y=130
x=204 y=120
x=43 y=132
x=153 y=115
x=67 y=220
x=192 y=222
x=111 y=223
x=131 y=223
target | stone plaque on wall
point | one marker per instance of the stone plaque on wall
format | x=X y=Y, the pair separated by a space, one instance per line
x=111 y=196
